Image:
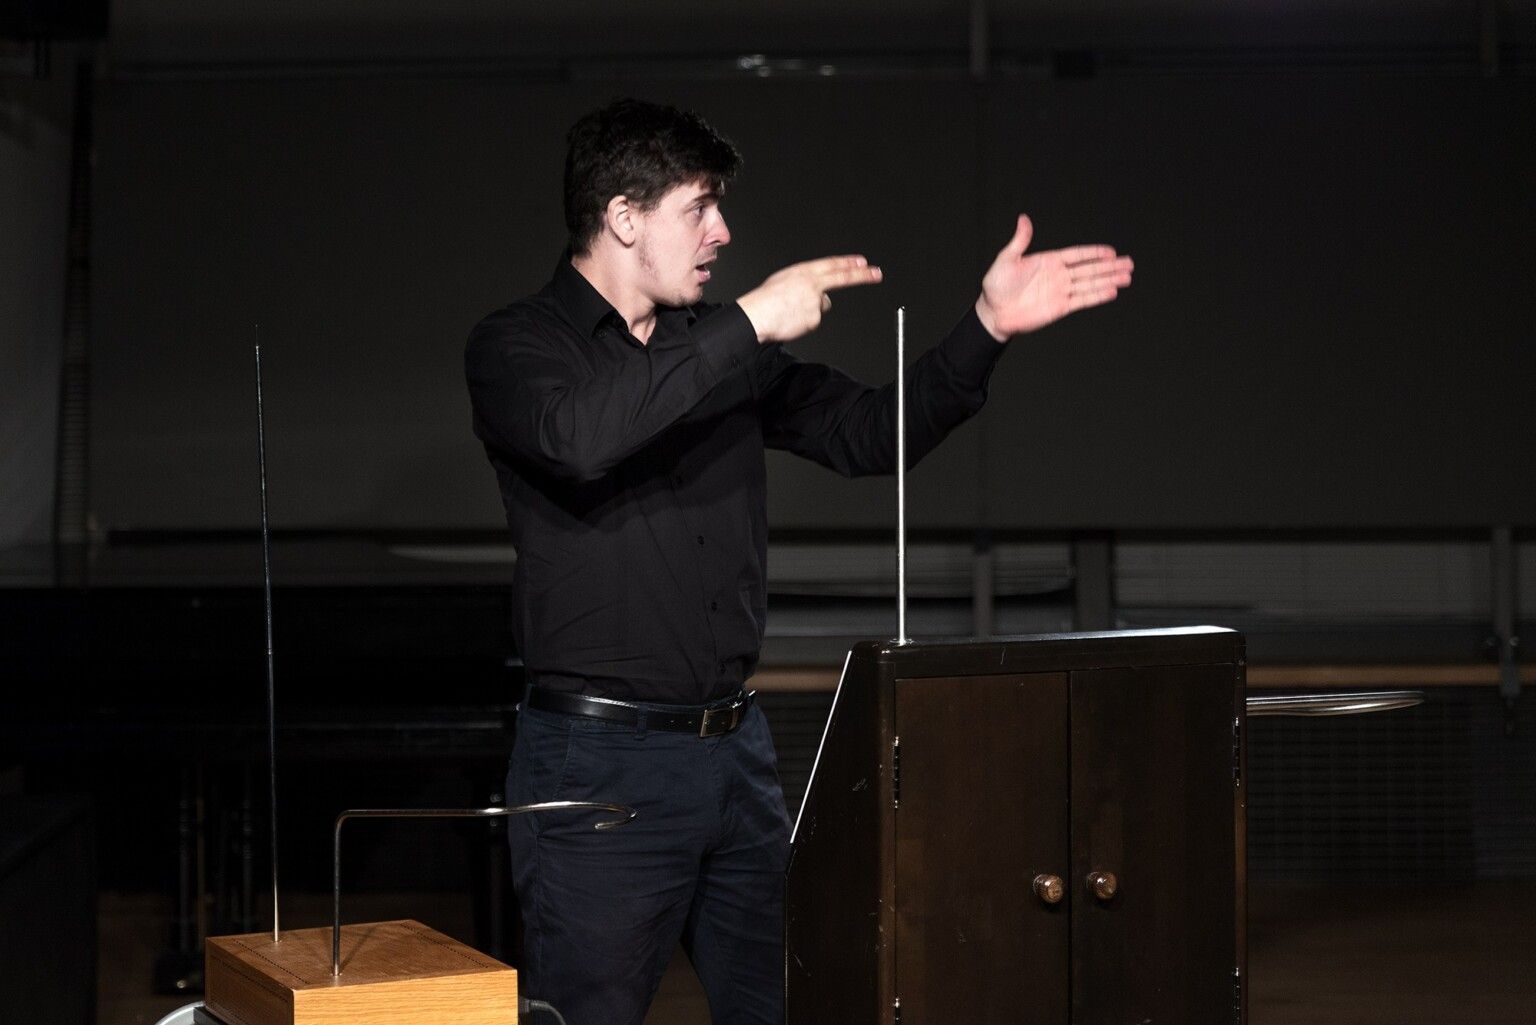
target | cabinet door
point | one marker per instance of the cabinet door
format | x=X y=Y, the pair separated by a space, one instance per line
x=982 y=811
x=1153 y=804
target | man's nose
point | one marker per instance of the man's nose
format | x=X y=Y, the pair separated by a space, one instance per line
x=721 y=236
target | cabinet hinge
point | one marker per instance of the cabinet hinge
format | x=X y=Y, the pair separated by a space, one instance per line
x=1237 y=751
x=896 y=1012
x=896 y=783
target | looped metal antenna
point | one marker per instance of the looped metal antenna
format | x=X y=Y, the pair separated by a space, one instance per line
x=1353 y=703
x=626 y=815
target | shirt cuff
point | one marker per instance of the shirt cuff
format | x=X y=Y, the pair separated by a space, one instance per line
x=971 y=349
x=726 y=341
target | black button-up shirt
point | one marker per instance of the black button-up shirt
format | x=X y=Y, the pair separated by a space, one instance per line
x=635 y=485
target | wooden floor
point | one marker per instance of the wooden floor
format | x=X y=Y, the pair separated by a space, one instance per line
x=1454 y=957
x=1463 y=956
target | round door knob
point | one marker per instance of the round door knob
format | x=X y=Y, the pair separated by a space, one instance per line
x=1102 y=884
x=1049 y=888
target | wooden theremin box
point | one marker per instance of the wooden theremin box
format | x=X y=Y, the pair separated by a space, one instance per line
x=391 y=972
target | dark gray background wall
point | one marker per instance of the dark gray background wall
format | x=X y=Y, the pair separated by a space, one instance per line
x=34 y=215
x=1330 y=323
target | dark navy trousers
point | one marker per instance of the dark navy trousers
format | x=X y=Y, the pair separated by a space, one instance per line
x=702 y=863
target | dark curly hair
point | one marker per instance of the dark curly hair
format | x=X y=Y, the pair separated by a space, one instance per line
x=640 y=150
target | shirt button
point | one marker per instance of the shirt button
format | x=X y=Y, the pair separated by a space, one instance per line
x=678 y=480
x=714 y=606
x=701 y=539
x=722 y=668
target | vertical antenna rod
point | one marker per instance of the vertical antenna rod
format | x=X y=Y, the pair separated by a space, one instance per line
x=901 y=475
x=266 y=579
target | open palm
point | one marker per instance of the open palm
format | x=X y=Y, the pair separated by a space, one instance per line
x=1026 y=291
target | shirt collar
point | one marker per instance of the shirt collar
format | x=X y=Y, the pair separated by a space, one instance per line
x=588 y=309
x=583 y=303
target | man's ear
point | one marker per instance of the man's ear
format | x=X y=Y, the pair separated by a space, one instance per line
x=619 y=219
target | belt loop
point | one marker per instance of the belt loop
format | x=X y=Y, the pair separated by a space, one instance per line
x=640 y=722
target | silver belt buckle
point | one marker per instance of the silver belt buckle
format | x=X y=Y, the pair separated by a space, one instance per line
x=730 y=714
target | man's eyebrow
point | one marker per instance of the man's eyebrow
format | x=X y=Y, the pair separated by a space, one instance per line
x=707 y=196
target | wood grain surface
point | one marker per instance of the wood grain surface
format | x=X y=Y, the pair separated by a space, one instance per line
x=391 y=972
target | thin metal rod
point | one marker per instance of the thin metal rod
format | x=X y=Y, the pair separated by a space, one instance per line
x=901 y=475
x=266 y=580
x=446 y=813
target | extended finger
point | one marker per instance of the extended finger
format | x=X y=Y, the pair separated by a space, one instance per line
x=1083 y=254
x=848 y=277
x=1100 y=272
x=829 y=264
x=1081 y=300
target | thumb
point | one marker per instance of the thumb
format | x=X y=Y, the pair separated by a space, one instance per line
x=1021 y=237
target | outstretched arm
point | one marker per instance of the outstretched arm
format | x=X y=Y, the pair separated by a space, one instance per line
x=537 y=400
x=1024 y=292
x=821 y=413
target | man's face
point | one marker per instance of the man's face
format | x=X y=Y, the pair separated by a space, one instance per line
x=678 y=240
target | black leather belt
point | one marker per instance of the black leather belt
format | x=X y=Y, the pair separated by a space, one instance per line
x=703 y=720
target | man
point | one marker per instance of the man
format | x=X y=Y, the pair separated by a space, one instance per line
x=627 y=422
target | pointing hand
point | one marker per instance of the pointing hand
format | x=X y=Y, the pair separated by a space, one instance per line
x=791 y=302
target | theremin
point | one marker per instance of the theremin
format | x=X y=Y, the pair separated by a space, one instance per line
x=378 y=973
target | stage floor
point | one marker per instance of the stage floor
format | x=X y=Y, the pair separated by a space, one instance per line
x=1317 y=956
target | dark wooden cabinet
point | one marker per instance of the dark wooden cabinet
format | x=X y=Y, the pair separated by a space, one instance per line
x=956 y=783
